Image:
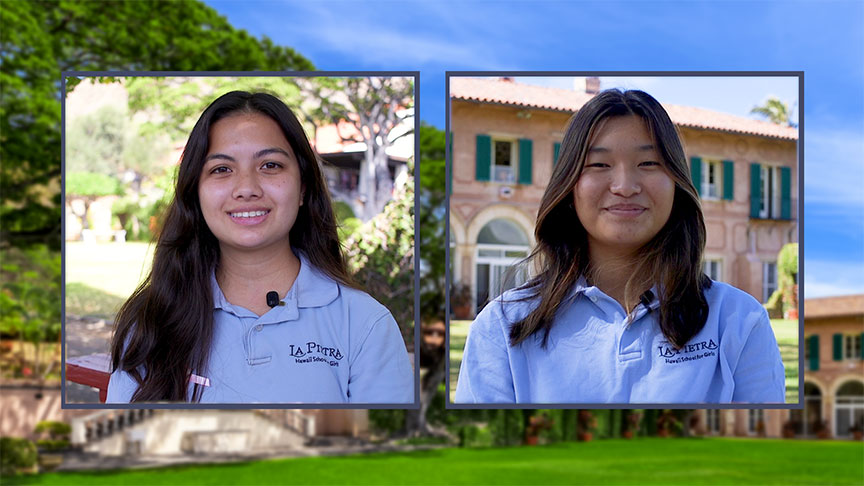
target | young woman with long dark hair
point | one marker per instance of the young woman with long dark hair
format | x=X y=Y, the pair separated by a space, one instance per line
x=619 y=310
x=249 y=298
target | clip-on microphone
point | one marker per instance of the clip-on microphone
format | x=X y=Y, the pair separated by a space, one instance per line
x=273 y=299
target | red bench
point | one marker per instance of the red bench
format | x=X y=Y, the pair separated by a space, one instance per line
x=92 y=370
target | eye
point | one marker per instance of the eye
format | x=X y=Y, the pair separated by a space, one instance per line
x=270 y=165
x=221 y=169
x=650 y=163
x=596 y=165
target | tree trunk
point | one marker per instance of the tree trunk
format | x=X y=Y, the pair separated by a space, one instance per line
x=415 y=420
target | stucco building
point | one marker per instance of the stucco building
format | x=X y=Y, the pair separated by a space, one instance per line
x=833 y=403
x=505 y=141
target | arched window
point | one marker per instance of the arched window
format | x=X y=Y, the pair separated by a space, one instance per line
x=500 y=244
x=807 y=421
x=848 y=408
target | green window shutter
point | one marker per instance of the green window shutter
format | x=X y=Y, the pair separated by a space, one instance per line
x=755 y=189
x=450 y=165
x=785 y=193
x=838 y=347
x=696 y=173
x=728 y=180
x=525 y=161
x=556 y=150
x=814 y=352
x=483 y=165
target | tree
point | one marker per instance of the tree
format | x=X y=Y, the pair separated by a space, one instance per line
x=374 y=107
x=775 y=110
x=51 y=37
x=89 y=186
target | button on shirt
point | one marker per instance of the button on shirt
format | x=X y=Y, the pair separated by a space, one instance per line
x=327 y=344
x=594 y=356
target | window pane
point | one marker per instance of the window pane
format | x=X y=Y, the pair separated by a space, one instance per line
x=503 y=151
x=502 y=232
x=489 y=253
x=515 y=253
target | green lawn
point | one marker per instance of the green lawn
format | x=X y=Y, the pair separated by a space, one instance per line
x=641 y=461
x=100 y=276
x=786 y=331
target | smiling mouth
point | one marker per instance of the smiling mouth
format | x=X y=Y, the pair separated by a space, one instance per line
x=248 y=214
x=626 y=210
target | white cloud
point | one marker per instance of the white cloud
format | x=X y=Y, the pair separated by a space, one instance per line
x=834 y=169
x=824 y=278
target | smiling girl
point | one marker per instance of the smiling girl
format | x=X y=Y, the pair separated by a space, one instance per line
x=249 y=298
x=619 y=310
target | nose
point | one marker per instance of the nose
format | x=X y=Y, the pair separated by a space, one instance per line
x=625 y=181
x=246 y=185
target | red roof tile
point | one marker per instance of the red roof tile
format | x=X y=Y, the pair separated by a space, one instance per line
x=495 y=90
x=845 y=305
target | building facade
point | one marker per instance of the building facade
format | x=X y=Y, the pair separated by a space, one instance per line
x=833 y=398
x=505 y=139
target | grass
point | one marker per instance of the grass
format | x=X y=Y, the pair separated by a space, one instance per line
x=642 y=461
x=786 y=331
x=100 y=276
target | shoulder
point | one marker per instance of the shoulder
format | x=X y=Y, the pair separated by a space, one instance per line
x=361 y=304
x=499 y=315
x=734 y=308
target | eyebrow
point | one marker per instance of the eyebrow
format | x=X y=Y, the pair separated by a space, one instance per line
x=258 y=154
x=641 y=148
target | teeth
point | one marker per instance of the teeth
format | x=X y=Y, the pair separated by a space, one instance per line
x=248 y=214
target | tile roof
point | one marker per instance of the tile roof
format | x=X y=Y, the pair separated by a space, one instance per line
x=845 y=305
x=506 y=92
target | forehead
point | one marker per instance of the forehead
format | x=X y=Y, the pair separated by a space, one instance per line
x=241 y=129
x=629 y=132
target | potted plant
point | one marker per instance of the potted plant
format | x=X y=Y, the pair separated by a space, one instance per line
x=667 y=424
x=586 y=423
x=857 y=431
x=536 y=424
x=460 y=301
x=821 y=429
x=790 y=428
x=631 y=424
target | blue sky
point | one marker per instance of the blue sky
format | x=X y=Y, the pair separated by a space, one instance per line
x=823 y=39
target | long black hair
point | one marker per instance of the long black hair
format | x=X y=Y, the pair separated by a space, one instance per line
x=672 y=260
x=163 y=332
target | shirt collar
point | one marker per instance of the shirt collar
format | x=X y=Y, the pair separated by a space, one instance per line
x=311 y=288
x=581 y=287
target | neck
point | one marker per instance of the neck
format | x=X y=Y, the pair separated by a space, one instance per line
x=610 y=270
x=246 y=277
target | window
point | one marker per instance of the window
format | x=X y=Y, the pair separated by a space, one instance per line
x=500 y=245
x=503 y=161
x=713 y=268
x=849 y=408
x=769 y=279
x=712 y=419
x=770 y=204
x=852 y=346
x=756 y=421
x=713 y=178
x=712 y=181
x=770 y=190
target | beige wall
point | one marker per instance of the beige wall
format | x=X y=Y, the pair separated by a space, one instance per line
x=21 y=409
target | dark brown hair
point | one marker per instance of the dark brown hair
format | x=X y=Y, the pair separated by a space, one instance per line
x=164 y=330
x=672 y=260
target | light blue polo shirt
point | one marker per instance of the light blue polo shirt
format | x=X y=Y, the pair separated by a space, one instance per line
x=593 y=356
x=328 y=344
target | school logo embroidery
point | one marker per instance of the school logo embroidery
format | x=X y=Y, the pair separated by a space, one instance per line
x=313 y=352
x=689 y=352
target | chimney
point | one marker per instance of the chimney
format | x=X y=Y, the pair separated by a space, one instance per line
x=592 y=85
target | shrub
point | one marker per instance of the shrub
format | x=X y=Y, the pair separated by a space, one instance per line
x=16 y=455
